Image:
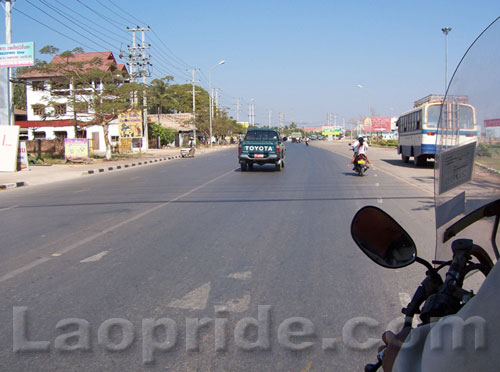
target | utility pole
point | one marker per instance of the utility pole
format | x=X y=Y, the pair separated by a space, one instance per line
x=140 y=60
x=8 y=40
x=282 y=119
x=251 y=112
x=238 y=99
x=193 y=83
x=216 y=90
x=446 y=30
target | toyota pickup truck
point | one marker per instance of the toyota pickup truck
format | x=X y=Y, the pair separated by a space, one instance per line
x=262 y=146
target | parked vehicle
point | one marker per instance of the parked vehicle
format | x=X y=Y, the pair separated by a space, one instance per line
x=262 y=146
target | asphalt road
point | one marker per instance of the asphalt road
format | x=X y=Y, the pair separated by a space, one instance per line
x=196 y=240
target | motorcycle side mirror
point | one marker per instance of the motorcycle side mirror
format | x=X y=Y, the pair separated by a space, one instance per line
x=382 y=239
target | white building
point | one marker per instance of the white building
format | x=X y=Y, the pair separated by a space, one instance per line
x=51 y=115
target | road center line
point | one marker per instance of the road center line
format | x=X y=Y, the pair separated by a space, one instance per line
x=85 y=241
x=8 y=208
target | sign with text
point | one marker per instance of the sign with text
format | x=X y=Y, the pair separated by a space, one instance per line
x=22 y=157
x=76 y=148
x=9 y=144
x=130 y=124
x=17 y=54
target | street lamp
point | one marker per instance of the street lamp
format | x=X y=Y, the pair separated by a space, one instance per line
x=446 y=30
x=210 y=98
x=367 y=97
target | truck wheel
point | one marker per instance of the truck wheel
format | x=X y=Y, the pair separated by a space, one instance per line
x=250 y=166
x=243 y=167
x=277 y=166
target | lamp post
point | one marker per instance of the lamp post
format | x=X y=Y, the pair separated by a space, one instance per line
x=368 y=98
x=446 y=30
x=210 y=98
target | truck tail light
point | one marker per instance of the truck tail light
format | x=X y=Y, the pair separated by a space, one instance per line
x=278 y=149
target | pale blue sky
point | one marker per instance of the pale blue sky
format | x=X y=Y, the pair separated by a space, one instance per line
x=303 y=58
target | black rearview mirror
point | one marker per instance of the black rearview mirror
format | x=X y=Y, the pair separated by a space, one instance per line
x=382 y=239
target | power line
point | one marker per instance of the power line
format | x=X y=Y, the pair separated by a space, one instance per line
x=53 y=29
x=65 y=25
x=91 y=21
x=111 y=21
x=76 y=23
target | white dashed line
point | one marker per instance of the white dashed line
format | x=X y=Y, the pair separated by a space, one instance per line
x=95 y=257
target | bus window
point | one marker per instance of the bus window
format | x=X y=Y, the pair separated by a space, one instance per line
x=433 y=116
x=466 y=118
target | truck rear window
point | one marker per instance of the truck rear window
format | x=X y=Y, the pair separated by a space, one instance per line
x=261 y=135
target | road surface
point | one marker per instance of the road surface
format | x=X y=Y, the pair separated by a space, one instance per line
x=235 y=261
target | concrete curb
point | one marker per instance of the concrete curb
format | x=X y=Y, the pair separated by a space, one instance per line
x=12 y=185
x=487 y=168
x=130 y=165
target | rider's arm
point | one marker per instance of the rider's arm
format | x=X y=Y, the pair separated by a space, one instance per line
x=478 y=327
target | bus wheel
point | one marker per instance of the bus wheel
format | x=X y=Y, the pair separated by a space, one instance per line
x=419 y=161
x=405 y=159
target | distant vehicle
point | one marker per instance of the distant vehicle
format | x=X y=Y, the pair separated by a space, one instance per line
x=262 y=146
x=313 y=137
x=417 y=128
x=296 y=136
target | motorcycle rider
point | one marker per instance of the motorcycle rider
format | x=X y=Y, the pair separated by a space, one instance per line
x=360 y=148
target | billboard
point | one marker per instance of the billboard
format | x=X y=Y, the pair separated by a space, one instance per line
x=130 y=124
x=17 y=54
x=377 y=124
x=76 y=148
x=492 y=123
x=328 y=130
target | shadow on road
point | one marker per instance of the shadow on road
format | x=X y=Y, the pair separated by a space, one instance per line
x=399 y=163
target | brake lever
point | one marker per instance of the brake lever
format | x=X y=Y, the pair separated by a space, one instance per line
x=376 y=366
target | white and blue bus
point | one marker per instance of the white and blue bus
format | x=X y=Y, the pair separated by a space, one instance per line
x=417 y=128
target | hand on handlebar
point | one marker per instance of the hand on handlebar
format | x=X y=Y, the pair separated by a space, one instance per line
x=392 y=345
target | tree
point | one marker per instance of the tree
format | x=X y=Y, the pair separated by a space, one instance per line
x=104 y=91
x=49 y=49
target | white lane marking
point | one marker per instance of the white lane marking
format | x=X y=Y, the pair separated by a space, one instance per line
x=55 y=254
x=8 y=208
x=377 y=184
x=194 y=300
x=404 y=299
x=235 y=305
x=95 y=257
x=86 y=241
x=245 y=275
x=380 y=201
x=82 y=190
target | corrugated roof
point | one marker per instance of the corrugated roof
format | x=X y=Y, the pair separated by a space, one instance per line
x=108 y=63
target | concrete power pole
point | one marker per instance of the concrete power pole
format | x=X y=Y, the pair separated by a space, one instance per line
x=238 y=109
x=140 y=60
x=193 y=83
x=8 y=40
x=217 y=101
x=282 y=119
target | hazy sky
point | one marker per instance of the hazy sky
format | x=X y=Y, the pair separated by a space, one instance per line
x=303 y=58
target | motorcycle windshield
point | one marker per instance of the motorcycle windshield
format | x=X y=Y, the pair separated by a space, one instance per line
x=467 y=163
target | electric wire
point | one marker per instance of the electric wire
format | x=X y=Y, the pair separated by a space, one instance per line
x=91 y=21
x=53 y=29
x=76 y=24
x=65 y=25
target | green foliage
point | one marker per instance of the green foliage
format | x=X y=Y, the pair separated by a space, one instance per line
x=166 y=135
x=384 y=142
x=49 y=49
x=484 y=150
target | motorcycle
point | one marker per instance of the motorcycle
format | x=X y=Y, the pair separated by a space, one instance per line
x=360 y=164
x=462 y=281
x=188 y=152
x=307 y=141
